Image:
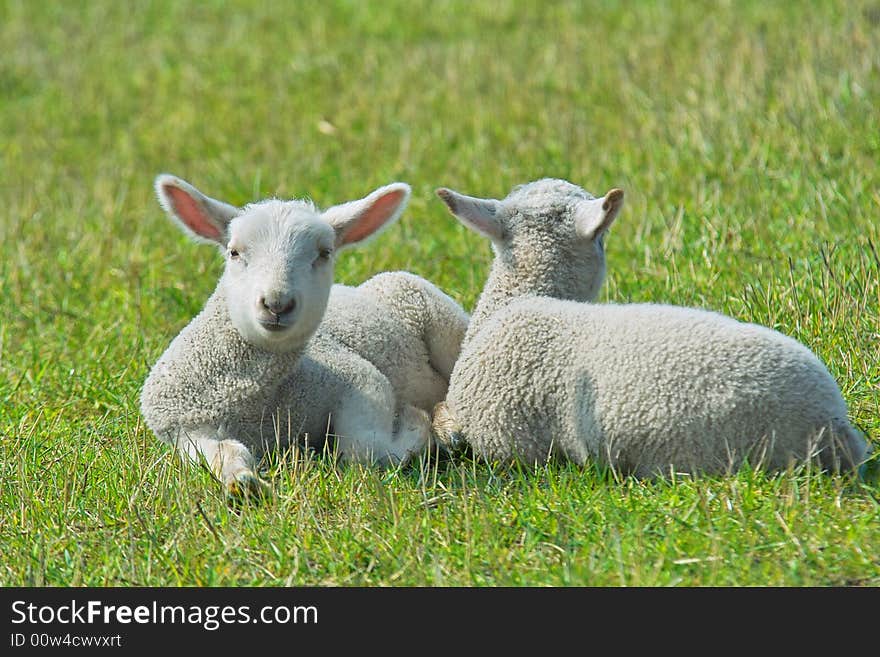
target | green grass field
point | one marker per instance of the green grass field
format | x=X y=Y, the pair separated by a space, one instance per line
x=746 y=136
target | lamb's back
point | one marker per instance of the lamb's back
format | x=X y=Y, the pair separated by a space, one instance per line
x=382 y=321
x=635 y=384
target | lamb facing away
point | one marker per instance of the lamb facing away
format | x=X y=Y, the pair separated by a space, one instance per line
x=644 y=388
x=279 y=353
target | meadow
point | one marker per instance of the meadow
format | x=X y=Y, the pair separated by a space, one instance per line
x=745 y=134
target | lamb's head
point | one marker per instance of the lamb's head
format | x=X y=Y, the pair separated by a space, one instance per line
x=279 y=254
x=548 y=235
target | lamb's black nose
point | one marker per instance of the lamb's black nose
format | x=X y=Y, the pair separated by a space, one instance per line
x=279 y=307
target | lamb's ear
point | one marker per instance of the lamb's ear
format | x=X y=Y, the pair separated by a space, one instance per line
x=478 y=214
x=202 y=218
x=595 y=216
x=355 y=221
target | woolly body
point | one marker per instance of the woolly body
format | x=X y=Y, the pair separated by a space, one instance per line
x=644 y=388
x=376 y=337
x=279 y=352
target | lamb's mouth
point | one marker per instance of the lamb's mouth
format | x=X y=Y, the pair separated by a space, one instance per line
x=273 y=325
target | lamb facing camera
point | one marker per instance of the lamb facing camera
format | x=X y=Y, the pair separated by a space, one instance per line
x=646 y=389
x=281 y=354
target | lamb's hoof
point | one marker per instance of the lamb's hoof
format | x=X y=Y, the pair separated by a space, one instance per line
x=869 y=471
x=247 y=487
x=445 y=431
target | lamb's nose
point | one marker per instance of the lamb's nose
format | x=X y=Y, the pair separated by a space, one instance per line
x=279 y=308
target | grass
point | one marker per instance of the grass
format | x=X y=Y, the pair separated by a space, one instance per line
x=744 y=133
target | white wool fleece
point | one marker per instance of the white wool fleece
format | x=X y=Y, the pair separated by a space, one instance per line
x=280 y=355
x=645 y=388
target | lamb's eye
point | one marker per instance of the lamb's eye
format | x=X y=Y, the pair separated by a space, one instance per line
x=237 y=256
x=325 y=253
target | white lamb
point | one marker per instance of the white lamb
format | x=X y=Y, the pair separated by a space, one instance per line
x=644 y=388
x=258 y=368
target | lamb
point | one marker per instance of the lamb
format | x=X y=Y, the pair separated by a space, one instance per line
x=279 y=353
x=647 y=389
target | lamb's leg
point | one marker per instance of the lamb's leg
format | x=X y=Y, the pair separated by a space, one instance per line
x=445 y=326
x=229 y=460
x=385 y=439
x=446 y=431
x=440 y=320
x=843 y=447
x=369 y=430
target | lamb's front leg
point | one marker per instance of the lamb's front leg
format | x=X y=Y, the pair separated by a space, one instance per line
x=381 y=436
x=229 y=460
x=371 y=427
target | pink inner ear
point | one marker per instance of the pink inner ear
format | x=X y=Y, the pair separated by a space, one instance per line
x=192 y=214
x=376 y=215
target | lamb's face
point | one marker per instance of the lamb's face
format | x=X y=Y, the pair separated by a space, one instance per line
x=279 y=254
x=279 y=271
